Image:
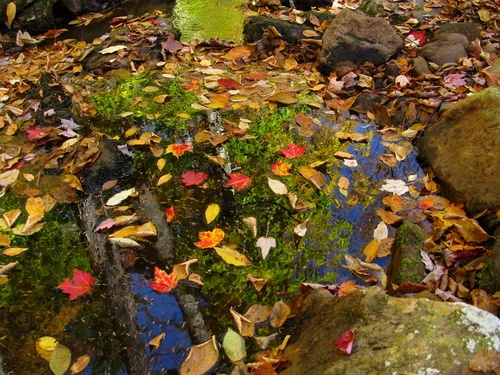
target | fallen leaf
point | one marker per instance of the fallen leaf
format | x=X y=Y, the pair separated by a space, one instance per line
x=251 y=222
x=35 y=206
x=234 y=346
x=313 y=176
x=210 y=238
x=11 y=216
x=394 y=186
x=120 y=197
x=181 y=271
x=79 y=285
x=13 y=251
x=237 y=53
x=191 y=178
x=265 y=244
x=164 y=179
x=163 y=282
x=279 y=315
x=230 y=83
x=277 y=187
x=11 y=13
x=389 y=217
x=201 y=358
x=80 y=364
x=283 y=97
x=113 y=49
x=212 y=212
x=257 y=282
x=231 y=256
x=371 y=250
x=346 y=288
x=345 y=342
x=178 y=149
x=281 y=169
x=293 y=151
x=156 y=341
x=60 y=359
x=9 y=177
x=125 y=242
x=245 y=326
x=239 y=181
x=45 y=346
x=170 y=213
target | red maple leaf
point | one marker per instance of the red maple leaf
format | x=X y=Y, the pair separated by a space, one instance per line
x=230 y=83
x=345 y=342
x=293 y=150
x=164 y=282
x=191 y=177
x=239 y=181
x=36 y=132
x=78 y=286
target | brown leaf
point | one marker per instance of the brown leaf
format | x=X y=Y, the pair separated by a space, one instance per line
x=245 y=326
x=201 y=358
x=280 y=313
x=283 y=97
x=388 y=217
x=313 y=176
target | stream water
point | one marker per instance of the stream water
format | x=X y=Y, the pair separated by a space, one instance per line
x=347 y=225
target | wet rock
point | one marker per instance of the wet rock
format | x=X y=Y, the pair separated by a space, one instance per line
x=384 y=8
x=256 y=26
x=471 y=30
x=355 y=37
x=365 y=101
x=462 y=149
x=420 y=67
x=406 y=261
x=446 y=48
x=393 y=335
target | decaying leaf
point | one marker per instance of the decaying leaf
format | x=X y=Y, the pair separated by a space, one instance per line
x=313 y=176
x=345 y=342
x=258 y=283
x=280 y=313
x=181 y=271
x=80 y=364
x=251 y=222
x=283 y=97
x=245 y=326
x=201 y=358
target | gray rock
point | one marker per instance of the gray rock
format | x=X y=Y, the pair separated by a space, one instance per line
x=463 y=151
x=355 y=37
x=446 y=48
x=420 y=67
x=380 y=7
x=393 y=335
x=471 y=30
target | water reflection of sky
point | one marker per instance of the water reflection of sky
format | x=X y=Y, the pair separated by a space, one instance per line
x=158 y=313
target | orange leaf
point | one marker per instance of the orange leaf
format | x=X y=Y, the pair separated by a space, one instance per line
x=170 y=213
x=164 y=282
x=210 y=238
x=230 y=83
x=178 y=149
x=236 y=53
x=78 y=286
x=239 y=181
x=281 y=169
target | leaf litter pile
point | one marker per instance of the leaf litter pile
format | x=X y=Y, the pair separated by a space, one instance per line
x=256 y=78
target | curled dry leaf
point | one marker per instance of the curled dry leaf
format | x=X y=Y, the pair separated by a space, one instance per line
x=258 y=283
x=201 y=358
x=156 y=341
x=313 y=176
x=245 y=326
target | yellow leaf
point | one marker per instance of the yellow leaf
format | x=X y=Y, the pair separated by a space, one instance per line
x=13 y=251
x=124 y=232
x=131 y=131
x=73 y=181
x=11 y=13
x=160 y=164
x=212 y=212
x=45 y=346
x=371 y=250
x=146 y=230
x=31 y=226
x=163 y=179
x=181 y=271
x=11 y=216
x=4 y=240
x=231 y=256
x=283 y=98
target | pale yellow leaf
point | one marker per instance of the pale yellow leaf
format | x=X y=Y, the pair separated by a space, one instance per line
x=277 y=187
x=9 y=177
x=45 y=346
x=371 y=250
x=13 y=251
x=80 y=364
x=231 y=256
x=156 y=341
x=163 y=179
x=112 y=49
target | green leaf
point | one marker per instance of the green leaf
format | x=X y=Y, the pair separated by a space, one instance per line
x=234 y=345
x=60 y=359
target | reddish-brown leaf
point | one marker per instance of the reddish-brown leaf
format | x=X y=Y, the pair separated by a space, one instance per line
x=239 y=181
x=191 y=178
x=36 y=132
x=230 y=83
x=345 y=342
x=80 y=284
x=293 y=151
x=164 y=282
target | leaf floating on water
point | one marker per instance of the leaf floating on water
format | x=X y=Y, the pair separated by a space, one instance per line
x=163 y=282
x=79 y=285
x=11 y=14
x=371 y=250
x=11 y=216
x=251 y=222
x=156 y=341
x=257 y=282
x=164 y=179
x=45 y=346
x=201 y=358
x=80 y=364
x=9 y=177
x=280 y=313
x=191 y=178
x=125 y=242
x=394 y=186
x=265 y=244
x=60 y=359
x=277 y=187
x=113 y=49
x=210 y=238
x=239 y=181
x=233 y=257
x=313 y=176
x=234 y=346
x=120 y=197
x=293 y=151
x=212 y=212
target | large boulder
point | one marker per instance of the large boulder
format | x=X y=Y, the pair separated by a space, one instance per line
x=356 y=37
x=392 y=335
x=463 y=151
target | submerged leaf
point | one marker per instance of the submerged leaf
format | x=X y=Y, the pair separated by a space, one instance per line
x=293 y=151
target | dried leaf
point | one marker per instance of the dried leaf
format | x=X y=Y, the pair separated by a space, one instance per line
x=245 y=326
x=280 y=313
x=257 y=282
x=371 y=250
x=156 y=341
x=11 y=216
x=388 y=217
x=251 y=222
x=313 y=176
x=9 y=177
x=277 y=187
x=237 y=53
x=201 y=358
x=283 y=97
x=265 y=244
x=80 y=364
x=113 y=49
